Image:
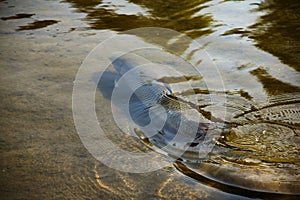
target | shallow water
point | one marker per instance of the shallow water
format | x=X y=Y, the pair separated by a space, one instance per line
x=255 y=46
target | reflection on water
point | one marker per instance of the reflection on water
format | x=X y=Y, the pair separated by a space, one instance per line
x=18 y=16
x=272 y=85
x=181 y=16
x=37 y=25
x=41 y=154
x=278 y=31
x=178 y=15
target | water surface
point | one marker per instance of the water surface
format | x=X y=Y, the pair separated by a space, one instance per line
x=254 y=44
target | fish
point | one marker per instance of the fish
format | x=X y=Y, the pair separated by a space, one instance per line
x=260 y=138
x=184 y=128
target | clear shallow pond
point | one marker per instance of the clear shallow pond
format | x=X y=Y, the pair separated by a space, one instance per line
x=254 y=45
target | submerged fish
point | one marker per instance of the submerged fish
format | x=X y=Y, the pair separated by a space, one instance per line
x=261 y=143
x=184 y=127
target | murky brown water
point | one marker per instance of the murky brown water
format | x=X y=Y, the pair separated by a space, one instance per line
x=255 y=46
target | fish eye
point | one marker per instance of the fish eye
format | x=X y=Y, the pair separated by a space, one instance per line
x=167 y=91
x=165 y=88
